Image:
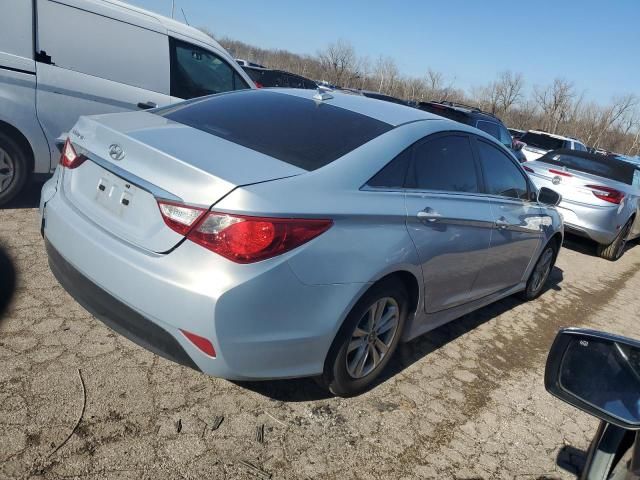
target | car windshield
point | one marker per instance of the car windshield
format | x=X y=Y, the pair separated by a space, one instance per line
x=292 y=129
x=540 y=140
x=605 y=167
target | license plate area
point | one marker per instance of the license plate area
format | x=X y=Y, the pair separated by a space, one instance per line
x=115 y=194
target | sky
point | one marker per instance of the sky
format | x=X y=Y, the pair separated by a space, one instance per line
x=595 y=44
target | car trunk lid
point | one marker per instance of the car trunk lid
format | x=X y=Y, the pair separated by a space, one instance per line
x=137 y=158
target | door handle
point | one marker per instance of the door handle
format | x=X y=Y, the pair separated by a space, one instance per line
x=428 y=215
x=146 y=105
x=502 y=223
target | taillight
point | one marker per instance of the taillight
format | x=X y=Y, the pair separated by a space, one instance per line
x=259 y=85
x=241 y=238
x=178 y=217
x=528 y=169
x=607 y=194
x=560 y=172
x=69 y=158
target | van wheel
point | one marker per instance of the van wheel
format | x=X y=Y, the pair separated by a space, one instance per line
x=615 y=249
x=540 y=273
x=14 y=168
x=367 y=340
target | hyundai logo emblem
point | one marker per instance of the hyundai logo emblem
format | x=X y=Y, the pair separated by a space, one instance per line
x=116 y=152
x=555 y=180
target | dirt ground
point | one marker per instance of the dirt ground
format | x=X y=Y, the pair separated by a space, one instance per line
x=465 y=401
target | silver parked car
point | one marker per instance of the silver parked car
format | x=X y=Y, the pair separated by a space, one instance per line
x=600 y=196
x=287 y=233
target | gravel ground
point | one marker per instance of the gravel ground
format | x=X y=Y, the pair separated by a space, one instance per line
x=464 y=401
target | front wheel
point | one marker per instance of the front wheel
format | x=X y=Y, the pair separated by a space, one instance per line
x=540 y=273
x=367 y=339
x=615 y=249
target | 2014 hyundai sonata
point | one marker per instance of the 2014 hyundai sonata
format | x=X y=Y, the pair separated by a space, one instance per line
x=289 y=233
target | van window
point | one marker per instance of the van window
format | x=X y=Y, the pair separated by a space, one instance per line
x=103 y=47
x=196 y=72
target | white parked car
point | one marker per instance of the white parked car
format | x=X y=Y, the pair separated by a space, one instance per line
x=65 y=58
x=537 y=143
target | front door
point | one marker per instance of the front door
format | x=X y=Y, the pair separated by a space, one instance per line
x=448 y=218
x=518 y=221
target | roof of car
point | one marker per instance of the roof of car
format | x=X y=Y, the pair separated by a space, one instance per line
x=168 y=23
x=591 y=156
x=388 y=112
x=554 y=135
x=463 y=109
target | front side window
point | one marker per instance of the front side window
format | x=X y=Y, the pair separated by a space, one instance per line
x=502 y=177
x=445 y=163
x=196 y=72
x=505 y=137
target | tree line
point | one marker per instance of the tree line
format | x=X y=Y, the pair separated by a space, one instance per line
x=557 y=107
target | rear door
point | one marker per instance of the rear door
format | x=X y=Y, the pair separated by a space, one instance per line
x=100 y=61
x=517 y=220
x=448 y=218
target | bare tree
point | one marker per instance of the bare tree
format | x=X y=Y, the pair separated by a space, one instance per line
x=340 y=63
x=555 y=100
x=509 y=90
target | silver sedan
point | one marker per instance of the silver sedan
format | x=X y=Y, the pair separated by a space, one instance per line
x=288 y=233
x=600 y=196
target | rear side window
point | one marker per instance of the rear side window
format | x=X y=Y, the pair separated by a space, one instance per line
x=501 y=176
x=393 y=175
x=544 y=142
x=599 y=165
x=196 y=72
x=293 y=129
x=444 y=163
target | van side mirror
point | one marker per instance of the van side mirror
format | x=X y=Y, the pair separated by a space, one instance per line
x=549 y=197
x=598 y=373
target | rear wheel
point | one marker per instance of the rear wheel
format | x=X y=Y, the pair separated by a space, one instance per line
x=14 y=168
x=540 y=273
x=615 y=249
x=367 y=340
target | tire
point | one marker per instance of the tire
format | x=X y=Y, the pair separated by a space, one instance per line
x=351 y=366
x=540 y=273
x=14 y=168
x=615 y=249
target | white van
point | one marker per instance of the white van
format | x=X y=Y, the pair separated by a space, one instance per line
x=60 y=59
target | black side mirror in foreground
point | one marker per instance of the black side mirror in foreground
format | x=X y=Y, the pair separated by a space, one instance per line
x=596 y=372
x=549 y=197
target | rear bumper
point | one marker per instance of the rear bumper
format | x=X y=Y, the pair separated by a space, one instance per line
x=600 y=224
x=261 y=319
x=115 y=314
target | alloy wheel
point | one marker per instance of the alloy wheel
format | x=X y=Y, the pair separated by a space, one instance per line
x=623 y=240
x=372 y=337
x=7 y=170
x=542 y=270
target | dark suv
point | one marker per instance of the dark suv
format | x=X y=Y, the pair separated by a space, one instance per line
x=265 y=77
x=475 y=117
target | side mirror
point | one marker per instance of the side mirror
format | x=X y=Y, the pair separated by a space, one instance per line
x=549 y=197
x=596 y=372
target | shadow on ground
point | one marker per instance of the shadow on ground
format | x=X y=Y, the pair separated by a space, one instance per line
x=29 y=198
x=589 y=247
x=7 y=281
x=571 y=459
x=301 y=390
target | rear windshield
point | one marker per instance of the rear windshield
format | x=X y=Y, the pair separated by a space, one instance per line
x=605 y=167
x=545 y=142
x=296 y=130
